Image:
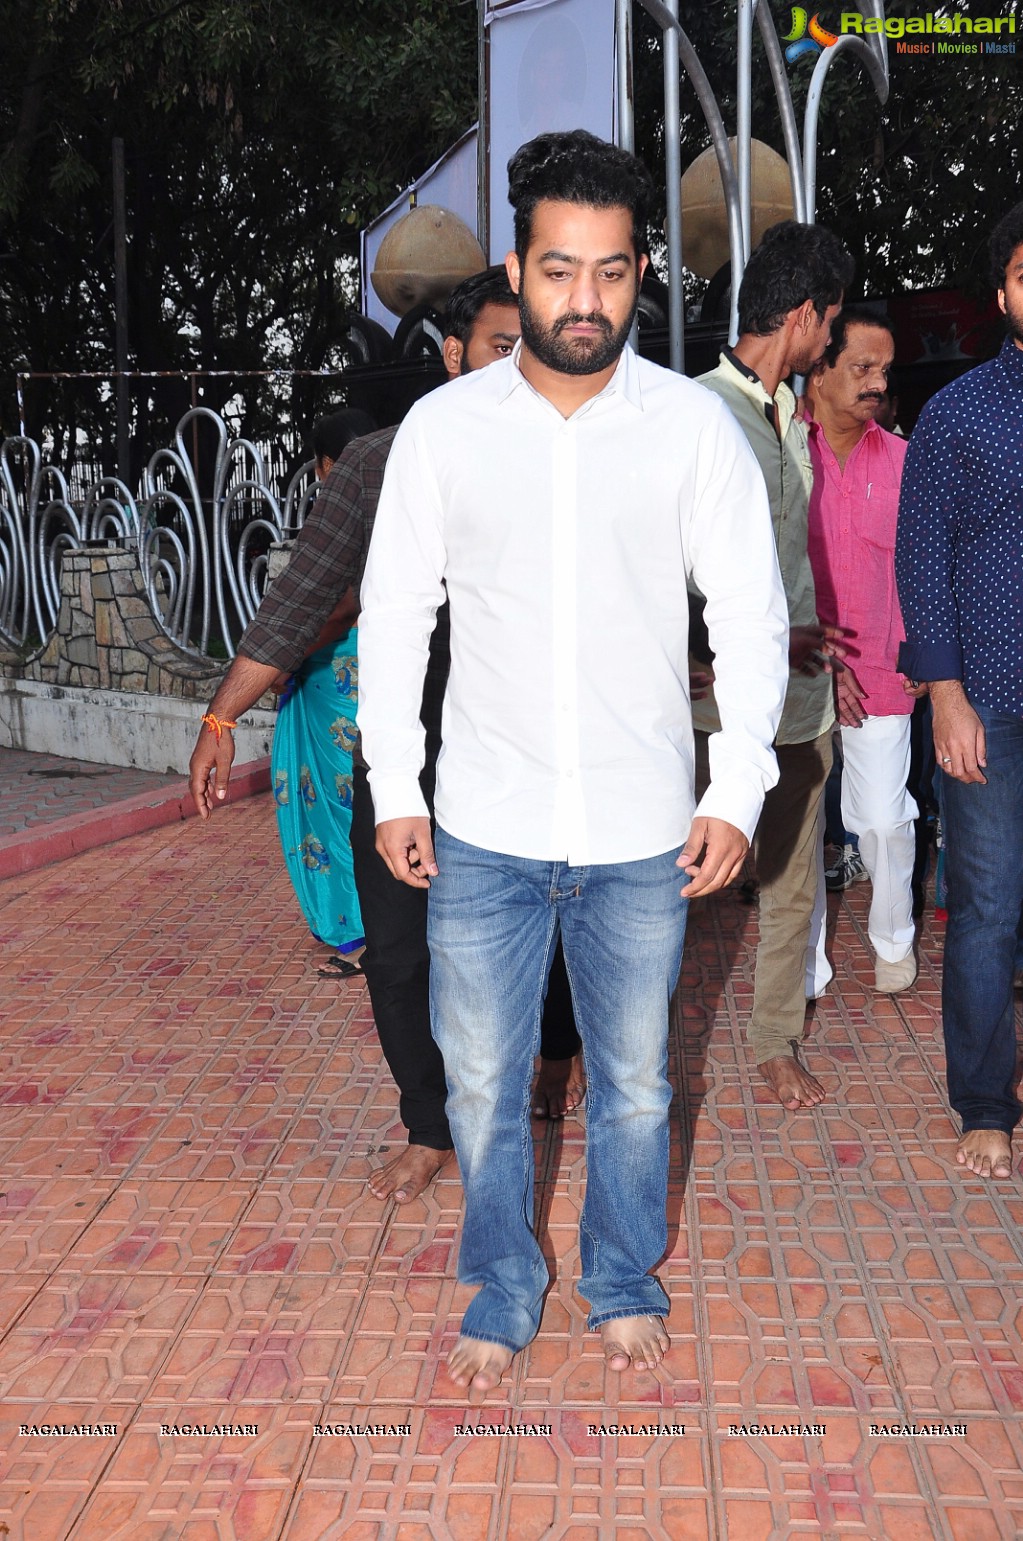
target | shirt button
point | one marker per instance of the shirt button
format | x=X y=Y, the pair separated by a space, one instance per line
x=570 y=774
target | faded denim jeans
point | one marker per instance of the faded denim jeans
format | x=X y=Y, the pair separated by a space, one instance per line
x=493 y=921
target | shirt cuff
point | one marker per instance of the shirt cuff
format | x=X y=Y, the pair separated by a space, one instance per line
x=396 y=797
x=739 y=805
x=931 y=660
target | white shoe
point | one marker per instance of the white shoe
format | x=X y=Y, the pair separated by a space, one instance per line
x=890 y=978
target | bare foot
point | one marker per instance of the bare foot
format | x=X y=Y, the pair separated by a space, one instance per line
x=639 y=1341
x=988 y=1152
x=478 y=1365
x=560 y=1087
x=404 y=1178
x=793 y=1086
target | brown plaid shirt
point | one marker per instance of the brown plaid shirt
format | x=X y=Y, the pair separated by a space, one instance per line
x=329 y=555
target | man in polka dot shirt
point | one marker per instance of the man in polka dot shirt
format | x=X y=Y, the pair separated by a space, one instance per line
x=959 y=564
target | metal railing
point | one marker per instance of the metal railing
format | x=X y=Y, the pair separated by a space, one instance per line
x=202 y=550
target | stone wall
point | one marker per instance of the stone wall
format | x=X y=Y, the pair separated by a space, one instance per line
x=109 y=685
x=107 y=636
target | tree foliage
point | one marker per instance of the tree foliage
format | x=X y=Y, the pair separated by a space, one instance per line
x=913 y=187
x=260 y=136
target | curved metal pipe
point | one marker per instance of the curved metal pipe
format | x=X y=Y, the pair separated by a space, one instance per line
x=744 y=119
x=673 y=183
x=623 y=74
x=786 y=111
x=719 y=138
x=877 y=69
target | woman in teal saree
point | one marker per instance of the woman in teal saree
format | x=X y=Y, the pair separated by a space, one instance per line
x=311 y=761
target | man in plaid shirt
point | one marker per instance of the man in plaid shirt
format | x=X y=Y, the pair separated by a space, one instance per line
x=327 y=564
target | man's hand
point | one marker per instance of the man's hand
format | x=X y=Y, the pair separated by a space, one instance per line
x=848 y=695
x=960 y=743
x=701 y=683
x=712 y=856
x=240 y=689
x=916 y=688
x=209 y=769
x=406 y=845
x=811 y=648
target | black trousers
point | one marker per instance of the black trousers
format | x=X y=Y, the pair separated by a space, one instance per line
x=396 y=963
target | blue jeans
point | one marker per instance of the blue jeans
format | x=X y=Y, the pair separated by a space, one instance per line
x=493 y=921
x=983 y=828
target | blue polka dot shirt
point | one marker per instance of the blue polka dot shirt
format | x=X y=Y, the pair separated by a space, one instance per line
x=959 y=547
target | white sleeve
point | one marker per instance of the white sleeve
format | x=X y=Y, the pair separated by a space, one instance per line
x=735 y=563
x=401 y=591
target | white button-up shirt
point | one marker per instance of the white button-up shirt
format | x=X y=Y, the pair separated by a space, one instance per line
x=565 y=546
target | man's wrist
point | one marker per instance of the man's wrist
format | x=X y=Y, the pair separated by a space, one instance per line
x=218 y=725
x=946 y=690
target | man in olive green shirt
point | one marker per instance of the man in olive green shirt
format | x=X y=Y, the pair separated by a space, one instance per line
x=791 y=291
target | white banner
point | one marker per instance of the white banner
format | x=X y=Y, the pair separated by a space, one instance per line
x=552 y=67
x=450 y=182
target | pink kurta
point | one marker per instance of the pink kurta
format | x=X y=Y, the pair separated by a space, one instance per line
x=852 y=518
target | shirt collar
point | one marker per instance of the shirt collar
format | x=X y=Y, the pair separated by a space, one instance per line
x=816 y=431
x=750 y=383
x=625 y=381
x=1011 y=360
x=747 y=373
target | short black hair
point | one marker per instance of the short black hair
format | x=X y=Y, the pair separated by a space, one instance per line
x=577 y=167
x=467 y=299
x=793 y=263
x=852 y=315
x=331 y=434
x=1005 y=237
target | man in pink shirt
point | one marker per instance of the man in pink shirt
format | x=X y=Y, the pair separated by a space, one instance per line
x=857 y=468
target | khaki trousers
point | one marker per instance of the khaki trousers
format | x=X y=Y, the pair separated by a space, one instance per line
x=785 y=850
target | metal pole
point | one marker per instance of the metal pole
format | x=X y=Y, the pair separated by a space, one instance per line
x=744 y=119
x=787 y=112
x=673 y=178
x=688 y=56
x=482 y=133
x=623 y=61
x=121 y=309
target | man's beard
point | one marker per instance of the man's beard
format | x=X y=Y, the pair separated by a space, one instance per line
x=574 y=355
x=1014 y=321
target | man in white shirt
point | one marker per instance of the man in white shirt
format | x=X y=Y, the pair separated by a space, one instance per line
x=562 y=498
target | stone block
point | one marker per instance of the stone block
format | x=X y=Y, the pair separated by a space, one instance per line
x=80 y=650
x=102 y=588
x=132 y=607
x=120 y=636
x=103 y=628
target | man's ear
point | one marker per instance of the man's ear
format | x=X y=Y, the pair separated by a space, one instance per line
x=1001 y=301
x=807 y=314
x=451 y=352
x=513 y=268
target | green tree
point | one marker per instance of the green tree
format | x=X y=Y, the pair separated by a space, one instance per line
x=260 y=136
x=912 y=187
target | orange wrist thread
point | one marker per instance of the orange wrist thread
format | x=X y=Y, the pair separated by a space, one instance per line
x=217 y=725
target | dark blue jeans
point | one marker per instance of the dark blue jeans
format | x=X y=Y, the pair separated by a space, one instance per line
x=984 y=865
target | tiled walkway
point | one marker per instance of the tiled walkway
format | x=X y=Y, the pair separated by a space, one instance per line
x=189 y=1115
x=39 y=788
